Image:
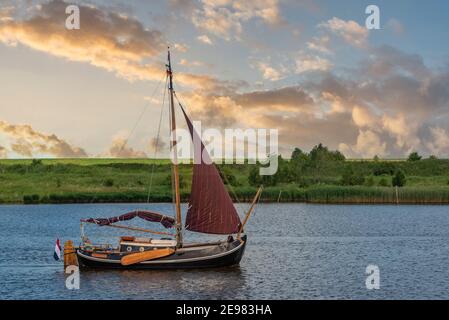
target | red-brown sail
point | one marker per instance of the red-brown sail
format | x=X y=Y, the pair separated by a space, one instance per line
x=210 y=207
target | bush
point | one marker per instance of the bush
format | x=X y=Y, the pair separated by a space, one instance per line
x=414 y=156
x=399 y=179
x=31 y=199
x=384 y=182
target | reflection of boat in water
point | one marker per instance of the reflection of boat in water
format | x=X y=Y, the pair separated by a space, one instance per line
x=210 y=211
x=201 y=283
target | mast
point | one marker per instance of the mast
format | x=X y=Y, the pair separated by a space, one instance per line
x=175 y=156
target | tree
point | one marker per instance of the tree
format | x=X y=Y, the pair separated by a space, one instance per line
x=433 y=157
x=376 y=158
x=36 y=162
x=414 y=156
x=297 y=154
x=254 y=177
x=384 y=168
x=399 y=179
x=256 y=180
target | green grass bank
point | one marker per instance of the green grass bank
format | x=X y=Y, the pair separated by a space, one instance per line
x=311 y=181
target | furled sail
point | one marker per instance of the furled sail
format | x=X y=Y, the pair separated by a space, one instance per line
x=210 y=207
x=151 y=216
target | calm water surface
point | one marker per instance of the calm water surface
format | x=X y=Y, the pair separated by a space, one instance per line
x=295 y=251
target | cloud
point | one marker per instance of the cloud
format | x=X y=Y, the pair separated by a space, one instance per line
x=350 y=31
x=363 y=118
x=184 y=6
x=28 y=142
x=363 y=112
x=205 y=39
x=276 y=99
x=439 y=143
x=368 y=145
x=3 y=152
x=320 y=44
x=388 y=104
x=181 y=47
x=396 y=26
x=267 y=10
x=268 y=72
x=6 y=13
x=224 y=18
x=120 y=149
x=218 y=21
x=194 y=63
x=307 y=62
x=157 y=145
x=106 y=39
x=386 y=61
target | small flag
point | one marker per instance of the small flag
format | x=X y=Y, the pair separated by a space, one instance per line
x=57 y=253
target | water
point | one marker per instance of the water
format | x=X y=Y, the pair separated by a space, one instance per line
x=295 y=251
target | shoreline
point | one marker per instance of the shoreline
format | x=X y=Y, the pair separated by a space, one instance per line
x=265 y=201
x=66 y=181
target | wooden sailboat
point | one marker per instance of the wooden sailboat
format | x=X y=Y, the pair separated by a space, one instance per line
x=210 y=211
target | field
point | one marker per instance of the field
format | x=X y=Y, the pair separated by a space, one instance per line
x=131 y=180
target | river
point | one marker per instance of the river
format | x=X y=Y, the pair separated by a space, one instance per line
x=295 y=251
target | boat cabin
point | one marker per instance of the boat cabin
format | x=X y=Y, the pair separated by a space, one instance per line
x=140 y=244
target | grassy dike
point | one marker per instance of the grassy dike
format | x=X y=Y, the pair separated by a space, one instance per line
x=123 y=180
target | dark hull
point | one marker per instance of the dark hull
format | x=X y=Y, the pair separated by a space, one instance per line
x=206 y=256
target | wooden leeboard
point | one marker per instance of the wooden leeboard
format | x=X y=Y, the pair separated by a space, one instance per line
x=134 y=258
x=70 y=257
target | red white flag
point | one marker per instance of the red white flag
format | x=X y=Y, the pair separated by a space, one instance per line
x=57 y=253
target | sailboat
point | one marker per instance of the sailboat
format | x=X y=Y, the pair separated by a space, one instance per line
x=210 y=211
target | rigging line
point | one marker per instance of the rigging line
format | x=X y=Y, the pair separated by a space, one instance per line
x=239 y=203
x=157 y=140
x=140 y=116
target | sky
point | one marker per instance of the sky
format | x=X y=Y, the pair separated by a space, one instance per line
x=309 y=68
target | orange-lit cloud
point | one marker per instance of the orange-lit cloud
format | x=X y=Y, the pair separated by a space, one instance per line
x=108 y=40
x=27 y=142
x=350 y=31
x=385 y=104
x=224 y=18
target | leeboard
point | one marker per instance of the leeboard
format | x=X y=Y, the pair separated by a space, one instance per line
x=134 y=258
